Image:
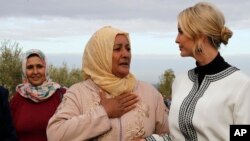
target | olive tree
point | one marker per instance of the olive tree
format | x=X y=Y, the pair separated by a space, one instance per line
x=10 y=64
x=165 y=84
x=65 y=76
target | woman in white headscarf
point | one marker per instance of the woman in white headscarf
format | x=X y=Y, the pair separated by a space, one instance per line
x=36 y=99
x=125 y=109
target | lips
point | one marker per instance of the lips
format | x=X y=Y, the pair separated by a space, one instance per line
x=35 y=77
x=125 y=63
x=180 y=47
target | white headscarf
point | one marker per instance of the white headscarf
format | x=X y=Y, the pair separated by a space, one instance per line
x=97 y=62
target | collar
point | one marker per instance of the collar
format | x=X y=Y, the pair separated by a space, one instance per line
x=216 y=66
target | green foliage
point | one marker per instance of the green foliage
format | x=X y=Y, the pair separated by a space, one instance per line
x=64 y=76
x=10 y=65
x=10 y=71
x=165 y=84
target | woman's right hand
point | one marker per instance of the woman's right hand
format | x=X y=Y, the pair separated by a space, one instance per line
x=119 y=105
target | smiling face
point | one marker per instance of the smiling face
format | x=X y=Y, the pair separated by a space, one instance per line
x=121 y=56
x=186 y=44
x=35 y=70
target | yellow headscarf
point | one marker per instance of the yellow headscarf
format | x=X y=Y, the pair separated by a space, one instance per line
x=97 y=62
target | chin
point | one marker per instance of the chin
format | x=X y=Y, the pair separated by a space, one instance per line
x=182 y=54
x=122 y=74
x=36 y=83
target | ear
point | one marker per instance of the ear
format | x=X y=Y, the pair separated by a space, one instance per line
x=203 y=39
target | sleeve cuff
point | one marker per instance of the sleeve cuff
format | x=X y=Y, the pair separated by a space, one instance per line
x=156 y=137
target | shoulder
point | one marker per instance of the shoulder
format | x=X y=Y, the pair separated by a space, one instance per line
x=146 y=88
x=83 y=87
x=16 y=100
x=16 y=96
x=145 y=85
x=2 y=89
x=62 y=90
x=79 y=86
x=242 y=75
x=181 y=77
x=241 y=79
x=4 y=92
x=238 y=78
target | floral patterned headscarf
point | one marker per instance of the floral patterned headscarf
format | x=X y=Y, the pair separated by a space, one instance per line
x=36 y=93
x=97 y=62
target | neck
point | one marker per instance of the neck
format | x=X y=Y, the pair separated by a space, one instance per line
x=207 y=56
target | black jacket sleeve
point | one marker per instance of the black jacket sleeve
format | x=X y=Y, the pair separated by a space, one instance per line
x=7 y=130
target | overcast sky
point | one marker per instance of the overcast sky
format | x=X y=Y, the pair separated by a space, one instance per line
x=61 y=29
x=64 y=26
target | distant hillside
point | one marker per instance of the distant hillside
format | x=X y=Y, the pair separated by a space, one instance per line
x=150 y=67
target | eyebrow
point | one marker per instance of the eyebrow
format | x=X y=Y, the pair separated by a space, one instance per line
x=34 y=65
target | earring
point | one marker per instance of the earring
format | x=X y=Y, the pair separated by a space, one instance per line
x=199 y=49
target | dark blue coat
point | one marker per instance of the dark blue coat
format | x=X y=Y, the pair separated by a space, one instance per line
x=7 y=130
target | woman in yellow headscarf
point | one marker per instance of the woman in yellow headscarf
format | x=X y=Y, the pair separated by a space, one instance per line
x=110 y=104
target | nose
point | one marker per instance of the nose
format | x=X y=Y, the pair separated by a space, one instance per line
x=35 y=70
x=125 y=52
x=177 y=39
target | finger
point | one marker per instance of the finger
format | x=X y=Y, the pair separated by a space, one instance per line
x=125 y=96
x=130 y=102
x=103 y=99
x=128 y=98
x=128 y=108
x=102 y=94
x=122 y=96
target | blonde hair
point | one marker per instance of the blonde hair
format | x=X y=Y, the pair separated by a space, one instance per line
x=204 y=18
